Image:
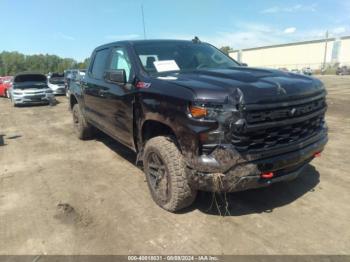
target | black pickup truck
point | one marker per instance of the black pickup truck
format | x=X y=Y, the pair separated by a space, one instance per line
x=197 y=119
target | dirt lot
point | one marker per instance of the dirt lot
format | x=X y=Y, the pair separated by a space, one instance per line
x=59 y=195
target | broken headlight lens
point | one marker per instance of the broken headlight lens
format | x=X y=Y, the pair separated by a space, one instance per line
x=211 y=111
x=223 y=114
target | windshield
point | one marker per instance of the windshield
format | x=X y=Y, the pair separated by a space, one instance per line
x=56 y=80
x=181 y=56
x=56 y=75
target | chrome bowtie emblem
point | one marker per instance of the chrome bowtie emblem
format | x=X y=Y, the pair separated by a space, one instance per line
x=292 y=112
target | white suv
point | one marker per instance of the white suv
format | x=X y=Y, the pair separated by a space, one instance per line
x=30 y=88
x=56 y=83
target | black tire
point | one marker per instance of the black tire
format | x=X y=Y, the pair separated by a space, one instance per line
x=13 y=102
x=82 y=128
x=168 y=184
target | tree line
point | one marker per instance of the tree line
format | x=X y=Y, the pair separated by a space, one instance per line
x=12 y=63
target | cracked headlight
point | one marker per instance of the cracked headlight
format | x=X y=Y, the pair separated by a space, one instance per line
x=211 y=111
x=221 y=114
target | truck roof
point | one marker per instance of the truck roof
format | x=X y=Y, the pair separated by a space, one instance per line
x=131 y=42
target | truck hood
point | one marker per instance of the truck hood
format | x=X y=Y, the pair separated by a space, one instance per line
x=248 y=85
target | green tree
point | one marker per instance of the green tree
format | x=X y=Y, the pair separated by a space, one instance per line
x=84 y=64
x=226 y=49
x=12 y=63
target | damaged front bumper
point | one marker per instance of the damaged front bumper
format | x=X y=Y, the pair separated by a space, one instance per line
x=226 y=170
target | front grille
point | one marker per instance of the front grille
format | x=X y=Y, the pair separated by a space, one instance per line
x=285 y=113
x=35 y=93
x=34 y=97
x=279 y=127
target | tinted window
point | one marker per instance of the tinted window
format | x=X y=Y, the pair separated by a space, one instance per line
x=57 y=75
x=120 y=60
x=99 y=65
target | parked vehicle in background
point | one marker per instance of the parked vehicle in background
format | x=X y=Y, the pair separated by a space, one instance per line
x=295 y=71
x=307 y=71
x=74 y=77
x=30 y=88
x=344 y=70
x=5 y=84
x=197 y=119
x=56 y=83
x=68 y=75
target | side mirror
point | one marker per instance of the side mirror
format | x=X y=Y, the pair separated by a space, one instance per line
x=244 y=64
x=116 y=76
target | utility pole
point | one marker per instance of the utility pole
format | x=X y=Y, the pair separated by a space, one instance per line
x=325 y=54
x=143 y=22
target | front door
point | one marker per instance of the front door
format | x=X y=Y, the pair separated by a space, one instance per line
x=118 y=98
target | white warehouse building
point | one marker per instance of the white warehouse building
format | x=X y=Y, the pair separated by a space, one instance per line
x=297 y=55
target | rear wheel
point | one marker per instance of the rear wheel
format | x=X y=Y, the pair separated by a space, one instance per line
x=82 y=128
x=166 y=175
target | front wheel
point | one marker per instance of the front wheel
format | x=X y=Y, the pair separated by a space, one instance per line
x=13 y=102
x=82 y=128
x=166 y=175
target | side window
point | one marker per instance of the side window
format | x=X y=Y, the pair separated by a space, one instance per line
x=99 y=64
x=120 y=60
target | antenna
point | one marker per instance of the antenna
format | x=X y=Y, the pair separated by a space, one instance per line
x=143 y=22
x=196 y=40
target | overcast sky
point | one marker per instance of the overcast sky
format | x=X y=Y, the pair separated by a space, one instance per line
x=74 y=28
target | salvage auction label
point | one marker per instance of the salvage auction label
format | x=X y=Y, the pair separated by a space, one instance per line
x=172 y=258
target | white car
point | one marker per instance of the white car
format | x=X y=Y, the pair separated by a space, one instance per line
x=30 y=88
x=56 y=83
x=75 y=76
x=307 y=71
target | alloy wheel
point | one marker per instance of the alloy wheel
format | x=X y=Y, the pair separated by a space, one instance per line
x=158 y=176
